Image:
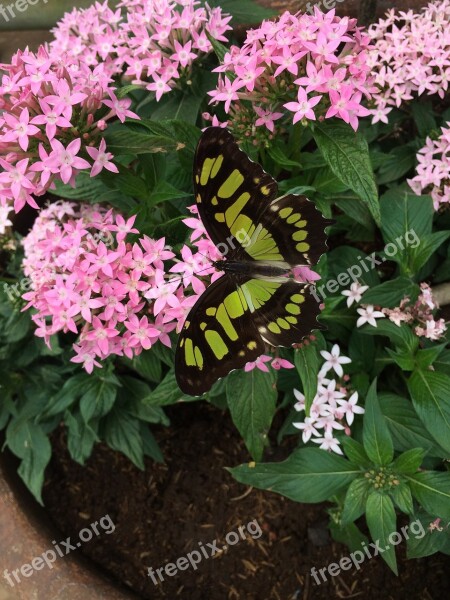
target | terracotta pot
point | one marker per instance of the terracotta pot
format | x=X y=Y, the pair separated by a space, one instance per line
x=26 y=532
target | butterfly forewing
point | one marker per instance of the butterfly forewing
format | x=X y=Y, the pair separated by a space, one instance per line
x=231 y=191
x=237 y=203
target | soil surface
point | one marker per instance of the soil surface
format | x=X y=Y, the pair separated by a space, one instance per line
x=164 y=512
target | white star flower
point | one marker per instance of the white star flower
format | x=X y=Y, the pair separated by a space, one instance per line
x=368 y=315
x=333 y=360
x=350 y=408
x=354 y=294
x=328 y=442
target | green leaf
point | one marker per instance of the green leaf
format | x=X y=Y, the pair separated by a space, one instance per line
x=167 y=392
x=70 y=392
x=355 y=452
x=406 y=220
x=121 y=432
x=309 y=475
x=355 y=500
x=403 y=358
x=17 y=326
x=246 y=13
x=347 y=154
x=148 y=365
x=427 y=247
x=426 y=357
x=423 y=541
x=163 y=192
x=443 y=362
x=423 y=117
x=220 y=50
x=405 y=426
x=377 y=439
x=402 y=336
x=430 y=395
x=390 y=293
x=123 y=140
x=281 y=158
x=81 y=436
x=347 y=264
x=349 y=535
x=28 y=441
x=409 y=461
x=252 y=398
x=432 y=490
x=130 y=184
x=150 y=445
x=132 y=394
x=402 y=497
x=98 y=398
x=306 y=361
x=355 y=209
x=401 y=161
x=381 y=520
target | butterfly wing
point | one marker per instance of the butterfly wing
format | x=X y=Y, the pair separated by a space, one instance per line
x=217 y=337
x=237 y=202
x=231 y=322
x=287 y=314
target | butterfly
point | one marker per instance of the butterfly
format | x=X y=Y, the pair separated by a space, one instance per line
x=256 y=301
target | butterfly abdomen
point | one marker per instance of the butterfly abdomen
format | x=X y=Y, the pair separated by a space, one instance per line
x=257 y=269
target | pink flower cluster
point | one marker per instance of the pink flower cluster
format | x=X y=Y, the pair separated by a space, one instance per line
x=51 y=123
x=153 y=42
x=333 y=403
x=86 y=279
x=411 y=56
x=298 y=68
x=419 y=315
x=433 y=170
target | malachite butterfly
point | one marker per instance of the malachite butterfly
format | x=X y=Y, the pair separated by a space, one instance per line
x=256 y=302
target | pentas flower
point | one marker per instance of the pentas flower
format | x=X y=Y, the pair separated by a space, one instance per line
x=150 y=43
x=298 y=68
x=88 y=280
x=410 y=56
x=51 y=124
x=419 y=315
x=368 y=314
x=354 y=294
x=334 y=406
x=433 y=170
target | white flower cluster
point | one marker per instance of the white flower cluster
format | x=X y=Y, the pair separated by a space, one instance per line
x=332 y=404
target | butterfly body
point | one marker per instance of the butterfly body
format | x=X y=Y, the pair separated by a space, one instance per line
x=257 y=269
x=256 y=302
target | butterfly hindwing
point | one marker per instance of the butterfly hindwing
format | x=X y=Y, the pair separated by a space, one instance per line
x=287 y=315
x=217 y=337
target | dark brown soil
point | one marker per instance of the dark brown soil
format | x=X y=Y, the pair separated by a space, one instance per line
x=163 y=513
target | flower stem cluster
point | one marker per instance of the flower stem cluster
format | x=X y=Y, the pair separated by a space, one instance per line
x=410 y=57
x=152 y=42
x=53 y=112
x=419 y=315
x=433 y=170
x=334 y=406
x=296 y=69
x=111 y=294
